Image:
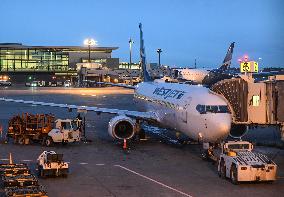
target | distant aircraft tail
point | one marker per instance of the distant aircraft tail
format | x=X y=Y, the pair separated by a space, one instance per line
x=146 y=76
x=227 y=61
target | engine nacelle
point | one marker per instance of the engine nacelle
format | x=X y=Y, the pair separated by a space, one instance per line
x=122 y=127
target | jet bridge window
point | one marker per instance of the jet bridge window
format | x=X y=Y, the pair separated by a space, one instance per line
x=255 y=100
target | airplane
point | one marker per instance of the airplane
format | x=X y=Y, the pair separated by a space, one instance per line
x=193 y=110
x=208 y=77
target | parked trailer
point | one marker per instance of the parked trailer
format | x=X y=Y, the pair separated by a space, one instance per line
x=20 y=180
x=33 y=191
x=14 y=169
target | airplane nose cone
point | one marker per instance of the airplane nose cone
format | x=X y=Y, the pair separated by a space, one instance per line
x=224 y=129
x=225 y=126
x=219 y=128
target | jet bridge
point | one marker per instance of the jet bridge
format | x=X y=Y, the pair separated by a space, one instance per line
x=251 y=103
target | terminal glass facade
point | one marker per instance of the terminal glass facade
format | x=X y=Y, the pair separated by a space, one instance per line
x=125 y=65
x=33 y=59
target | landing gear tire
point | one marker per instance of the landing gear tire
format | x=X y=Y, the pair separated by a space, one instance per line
x=15 y=140
x=234 y=175
x=204 y=156
x=41 y=172
x=222 y=171
x=21 y=140
x=142 y=134
x=48 y=141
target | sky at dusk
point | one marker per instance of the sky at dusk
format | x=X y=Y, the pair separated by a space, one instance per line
x=184 y=29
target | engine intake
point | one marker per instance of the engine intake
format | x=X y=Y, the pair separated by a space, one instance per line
x=122 y=127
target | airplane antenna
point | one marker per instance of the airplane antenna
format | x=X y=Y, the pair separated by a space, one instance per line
x=195 y=63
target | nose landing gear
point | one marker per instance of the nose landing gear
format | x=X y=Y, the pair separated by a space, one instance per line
x=208 y=152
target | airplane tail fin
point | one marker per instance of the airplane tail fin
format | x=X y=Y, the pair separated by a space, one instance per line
x=146 y=76
x=227 y=61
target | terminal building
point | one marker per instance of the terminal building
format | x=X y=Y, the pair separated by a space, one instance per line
x=19 y=61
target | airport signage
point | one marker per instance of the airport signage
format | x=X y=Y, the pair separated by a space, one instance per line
x=251 y=67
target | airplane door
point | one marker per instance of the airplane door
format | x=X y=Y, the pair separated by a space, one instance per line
x=182 y=114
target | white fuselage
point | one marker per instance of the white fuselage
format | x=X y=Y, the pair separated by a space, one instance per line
x=176 y=107
x=196 y=75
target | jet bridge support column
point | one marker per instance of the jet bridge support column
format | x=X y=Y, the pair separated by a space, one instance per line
x=282 y=132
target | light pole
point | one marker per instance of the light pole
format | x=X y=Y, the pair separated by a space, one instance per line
x=260 y=60
x=159 y=51
x=90 y=42
x=130 y=52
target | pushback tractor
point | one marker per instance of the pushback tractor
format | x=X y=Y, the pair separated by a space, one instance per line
x=240 y=163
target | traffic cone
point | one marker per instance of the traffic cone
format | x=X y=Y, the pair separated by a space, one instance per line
x=10 y=159
x=124 y=144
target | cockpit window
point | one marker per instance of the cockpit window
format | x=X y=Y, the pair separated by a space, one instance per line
x=203 y=109
x=212 y=108
x=223 y=109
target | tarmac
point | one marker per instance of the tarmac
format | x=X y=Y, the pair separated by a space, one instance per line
x=155 y=167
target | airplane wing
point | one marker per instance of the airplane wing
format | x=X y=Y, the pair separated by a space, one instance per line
x=113 y=84
x=148 y=116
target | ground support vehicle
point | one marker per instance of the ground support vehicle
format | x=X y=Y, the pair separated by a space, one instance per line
x=65 y=131
x=32 y=191
x=14 y=169
x=29 y=127
x=19 y=182
x=51 y=164
x=17 y=175
x=239 y=163
x=25 y=128
x=5 y=83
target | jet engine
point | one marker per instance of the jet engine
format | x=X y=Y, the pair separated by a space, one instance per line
x=122 y=127
x=238 y=130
